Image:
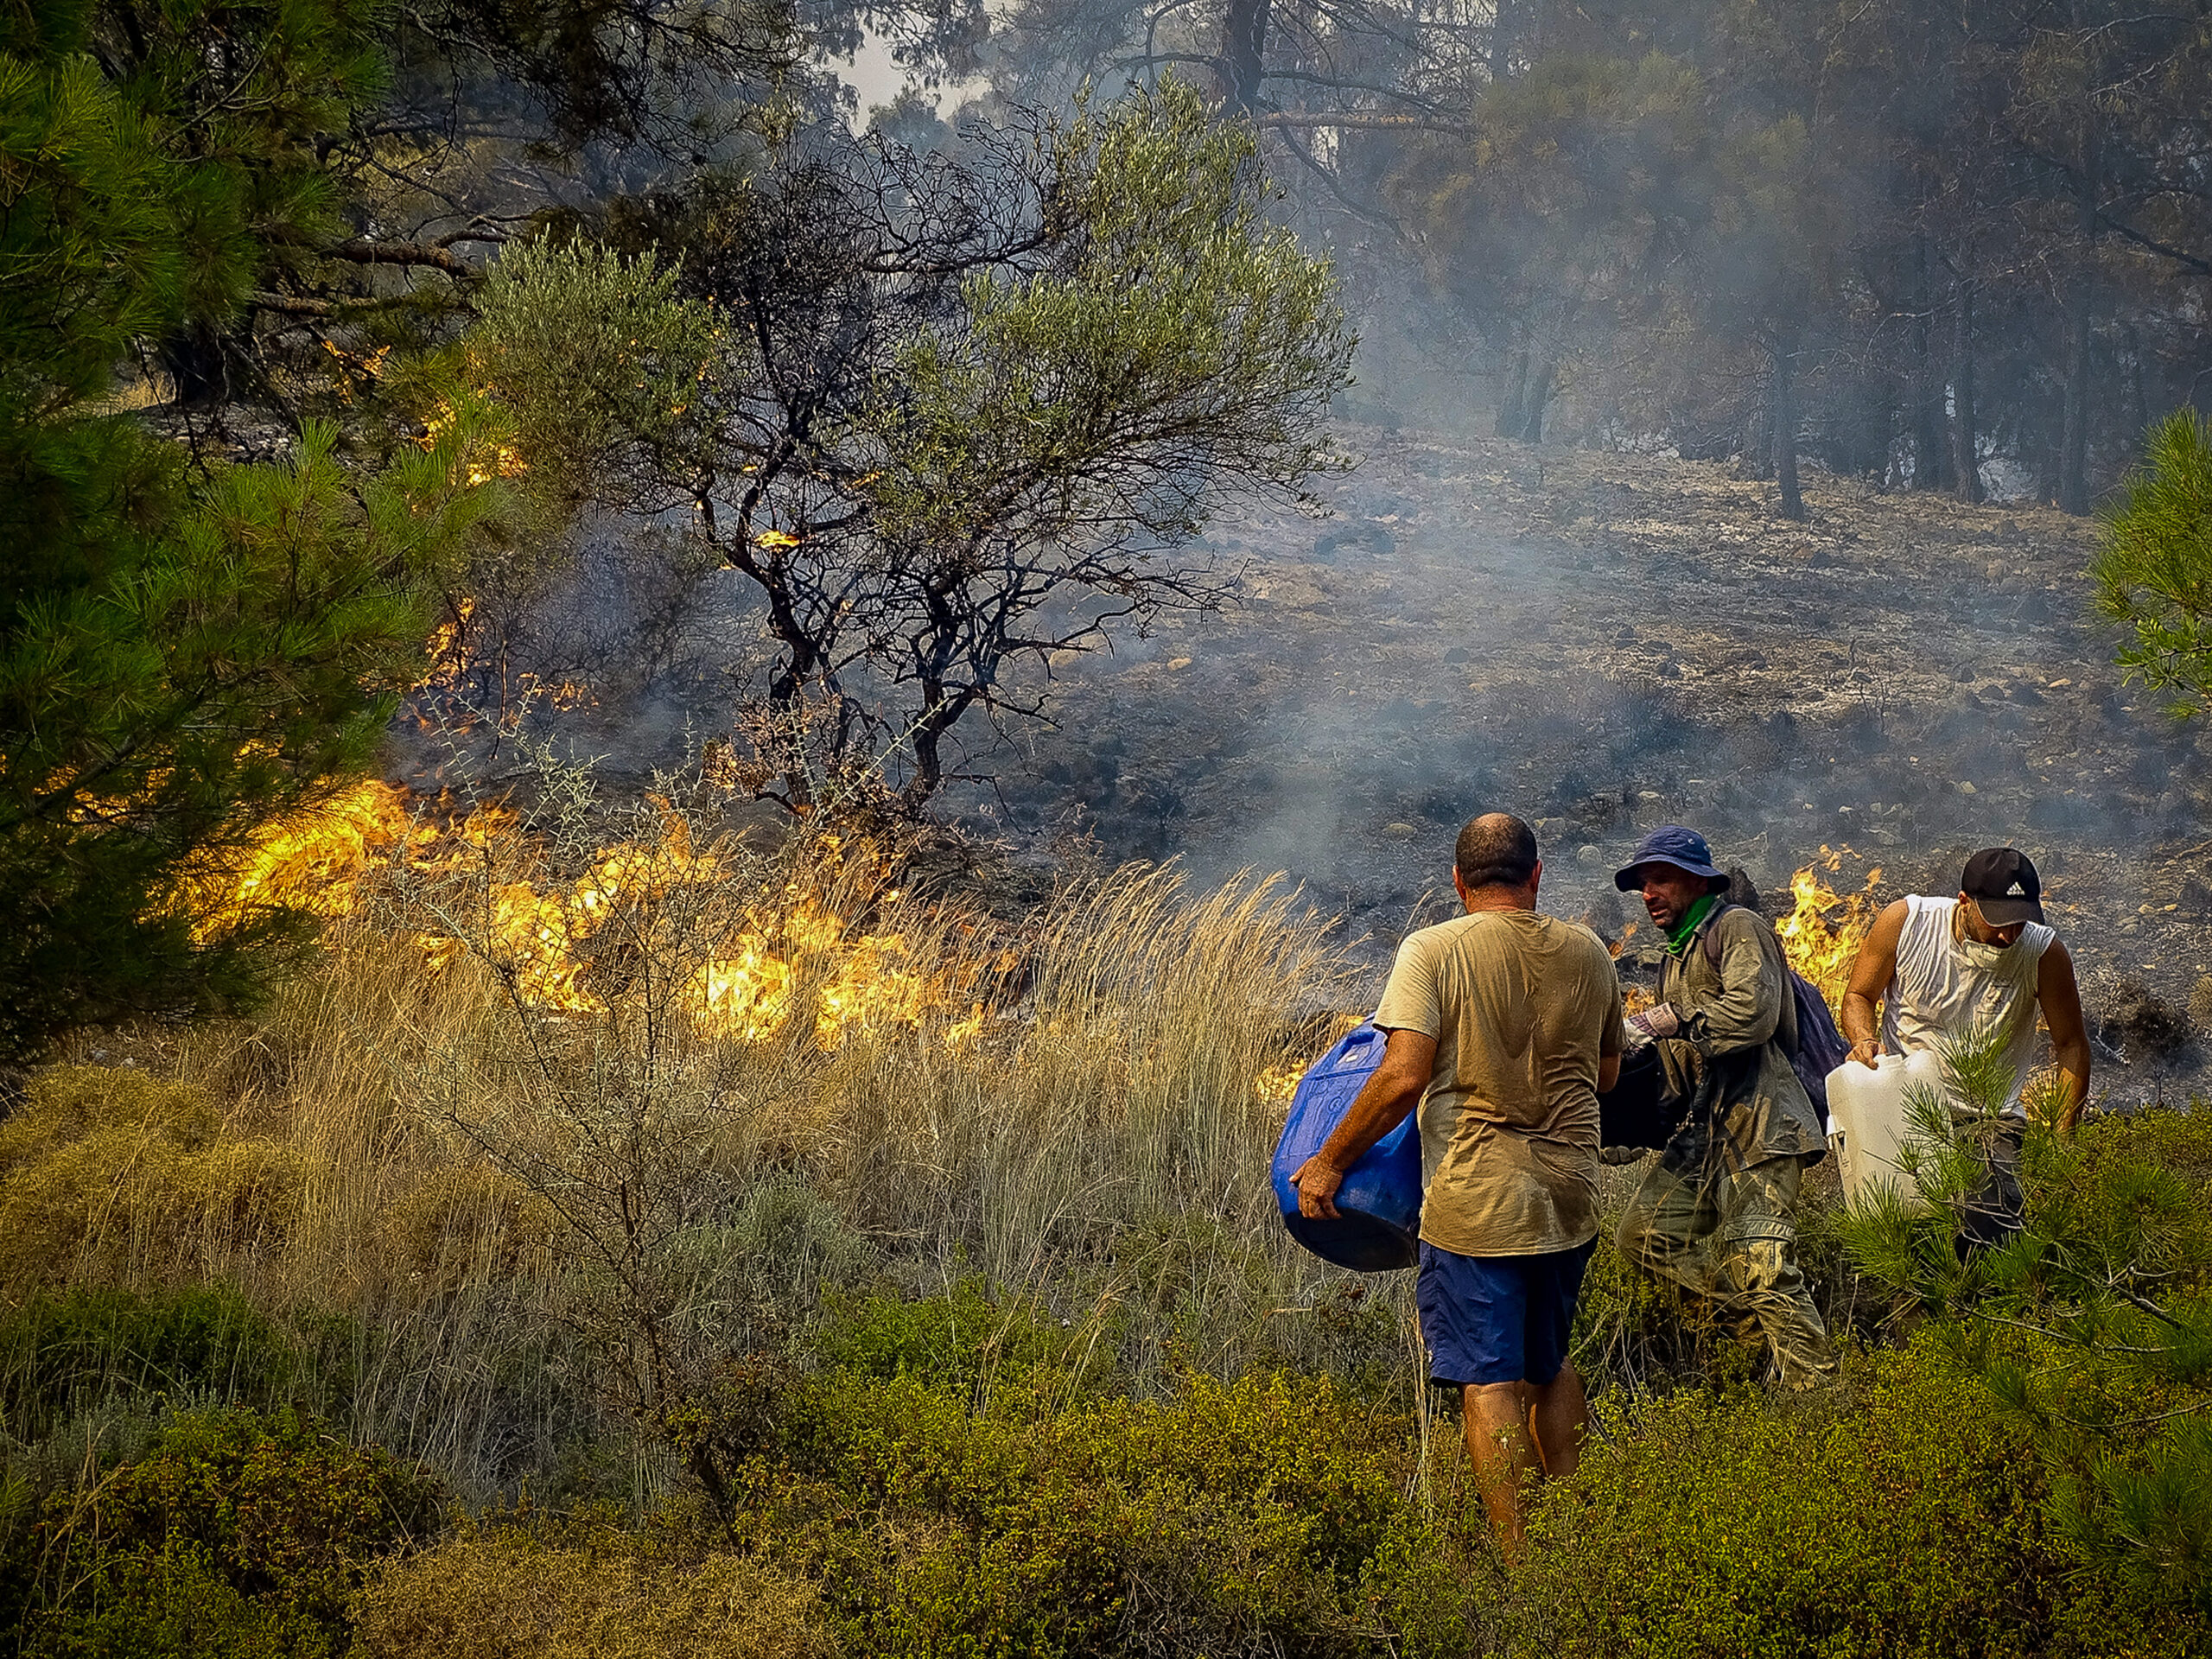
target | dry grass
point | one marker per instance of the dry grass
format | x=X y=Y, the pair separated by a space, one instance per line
x=545 y=1222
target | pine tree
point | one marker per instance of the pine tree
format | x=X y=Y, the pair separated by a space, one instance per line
x=2154 y=573
x=187 y=651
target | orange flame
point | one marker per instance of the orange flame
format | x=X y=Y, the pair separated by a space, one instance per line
x=313 y=862
x=1822 y=935
x=504 y=462
x=543 y=937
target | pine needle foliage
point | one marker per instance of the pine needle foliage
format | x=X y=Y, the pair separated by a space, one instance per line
x=2154 y=575
x=185 y=651
x=2092 y=1325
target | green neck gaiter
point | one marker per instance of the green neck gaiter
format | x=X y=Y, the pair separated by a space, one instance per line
x=1678 y=939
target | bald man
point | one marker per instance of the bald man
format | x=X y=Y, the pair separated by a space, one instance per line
x=1503 y=1026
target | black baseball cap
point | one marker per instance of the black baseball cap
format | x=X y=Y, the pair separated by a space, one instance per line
x=2004 y=886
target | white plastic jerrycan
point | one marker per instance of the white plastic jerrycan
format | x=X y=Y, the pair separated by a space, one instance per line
x=1868 y=1123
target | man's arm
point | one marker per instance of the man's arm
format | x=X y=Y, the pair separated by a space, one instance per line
x=1870 y=983
x=1612 y=1031
x=1408 y=1061
x=2070 y=1038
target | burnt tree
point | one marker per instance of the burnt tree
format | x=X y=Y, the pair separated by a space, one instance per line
x=950 y=415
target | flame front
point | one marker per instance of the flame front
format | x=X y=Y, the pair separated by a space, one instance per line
x=1822 y=935
x=545 y=938
x=313 y=862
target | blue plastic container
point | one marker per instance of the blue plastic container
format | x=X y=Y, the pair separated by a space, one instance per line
x=1379 y=1204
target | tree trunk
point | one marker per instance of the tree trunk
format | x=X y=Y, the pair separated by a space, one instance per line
x=1785 y=406
x=1243 y=39
x=1966 y=442
x=2074 y=449
x=1539 y=395
x=1502 y=26
x=198 y=362
x=1512 y=409
x=1931 y=469
x=1758 y=440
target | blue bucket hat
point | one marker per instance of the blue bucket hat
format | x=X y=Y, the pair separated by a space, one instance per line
x=1668 y=844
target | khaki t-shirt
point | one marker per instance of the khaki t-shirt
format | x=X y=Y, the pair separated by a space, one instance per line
x=1522 y=1007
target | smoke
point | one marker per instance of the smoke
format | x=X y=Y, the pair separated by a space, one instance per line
x=1630 y=641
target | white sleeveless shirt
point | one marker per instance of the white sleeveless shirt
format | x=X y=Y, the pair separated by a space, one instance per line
x=1942 y=989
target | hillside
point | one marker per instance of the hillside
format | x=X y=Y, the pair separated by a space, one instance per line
x=1605 y=641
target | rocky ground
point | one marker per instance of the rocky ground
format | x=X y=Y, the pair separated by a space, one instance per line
x=1606 y=641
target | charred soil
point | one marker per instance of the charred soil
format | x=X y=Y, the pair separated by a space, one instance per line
x=1603 y=642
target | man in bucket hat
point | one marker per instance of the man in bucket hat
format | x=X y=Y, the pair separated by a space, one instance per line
x=1718 y=1213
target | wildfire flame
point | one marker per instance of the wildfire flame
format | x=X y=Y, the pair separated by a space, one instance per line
x=313 y=862
x=1276 y=1083
x=1822 y=935
x=543 y=937
x=505 y=461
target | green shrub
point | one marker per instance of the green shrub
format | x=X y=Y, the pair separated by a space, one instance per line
x=175 y=1604
x=228 y=1531
x=1253 y=1517
x=63 y=1355
x=1902 y=1515
x=962 y=1340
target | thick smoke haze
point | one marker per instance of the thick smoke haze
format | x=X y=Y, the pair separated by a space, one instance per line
x=1731 y=392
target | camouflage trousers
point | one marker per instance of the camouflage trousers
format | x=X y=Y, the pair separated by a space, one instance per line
x=1730 y=1235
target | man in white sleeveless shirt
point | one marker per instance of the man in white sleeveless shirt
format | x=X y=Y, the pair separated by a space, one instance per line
x=1942 y=968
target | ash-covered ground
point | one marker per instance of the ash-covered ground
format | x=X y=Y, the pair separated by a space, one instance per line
x=1604 y=642
x=1600 y=642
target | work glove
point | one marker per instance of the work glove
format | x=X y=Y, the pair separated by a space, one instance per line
x=1621 y=1155
x=1654 y=1023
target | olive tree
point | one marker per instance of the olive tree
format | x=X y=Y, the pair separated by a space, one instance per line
x=950 y=415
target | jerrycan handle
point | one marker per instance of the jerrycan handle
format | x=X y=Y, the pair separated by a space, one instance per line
x=1354 y=1051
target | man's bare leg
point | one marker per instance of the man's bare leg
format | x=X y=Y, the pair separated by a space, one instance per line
x=1558 y=1416
x=1497 y=1415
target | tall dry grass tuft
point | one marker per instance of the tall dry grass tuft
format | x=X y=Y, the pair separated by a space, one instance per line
x=557 y=1171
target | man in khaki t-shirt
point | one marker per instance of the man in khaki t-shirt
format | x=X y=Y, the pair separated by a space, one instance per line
x=1503 y=1026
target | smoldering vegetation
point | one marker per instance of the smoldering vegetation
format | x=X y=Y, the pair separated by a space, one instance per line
x=1595 y=640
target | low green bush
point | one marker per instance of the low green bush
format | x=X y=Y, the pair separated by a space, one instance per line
x=225 y=1531
x=66 y=1354
x=1901 y=1514
x=1265 y=1516
x=963 y=1341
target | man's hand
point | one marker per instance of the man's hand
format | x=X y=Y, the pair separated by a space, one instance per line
x=1867 y=1052
x=1656 y=1022
x=1317 y=1183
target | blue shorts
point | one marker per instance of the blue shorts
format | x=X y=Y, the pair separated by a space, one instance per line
x=1498 y=1318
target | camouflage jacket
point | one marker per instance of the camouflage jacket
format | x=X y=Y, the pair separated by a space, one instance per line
x=1729 y=1062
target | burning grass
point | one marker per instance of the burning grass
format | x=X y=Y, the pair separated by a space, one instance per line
x=916 y=1272
x=1821 y=934
x=581 y=1101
